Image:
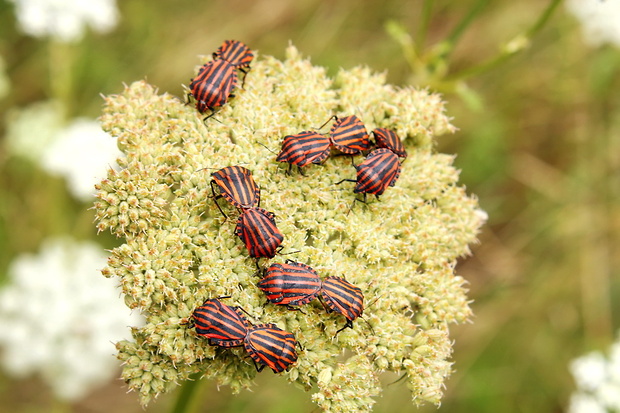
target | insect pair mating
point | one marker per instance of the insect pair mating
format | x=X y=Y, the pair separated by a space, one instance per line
x=216 y=80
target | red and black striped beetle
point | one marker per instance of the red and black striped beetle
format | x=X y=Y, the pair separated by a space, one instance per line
x=290 y=284
x=269 y=345
x=257 y=229
x=304 y=148
x=379 y=170
x=237 y=54
x=349 y=135
x=342 y=297
x=234 y=52
x=213 y=85
x=296 y=284
x=225 y=326
x=237 y=186
x=222 y=325
x=387 y=138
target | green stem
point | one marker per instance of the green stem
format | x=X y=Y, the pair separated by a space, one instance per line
x=463 y=24
x=543 y=19
x=186 y=401
x=397 y=32
x=420 y=38
x=516 y=45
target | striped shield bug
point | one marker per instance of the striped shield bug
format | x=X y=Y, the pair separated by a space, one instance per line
x=237 y=186
x=379 y=170
x=342 y=297
x=213 y=85
x=386 y=138
x=226 y=326
x=235 y=53
x=290 y=284
x=304 y=148
x=271 y=346
x=349 y=135
x=257 y=229
x=221 y=324
x=295 y=284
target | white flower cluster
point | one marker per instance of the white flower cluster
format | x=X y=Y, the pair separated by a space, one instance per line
x=65 y=20
x=80 y=152
x=59 y=318
x=32 y=129
x=600 y=20
x=598 y=382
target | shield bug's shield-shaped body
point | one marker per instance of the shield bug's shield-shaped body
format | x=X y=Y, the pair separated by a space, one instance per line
x=386 y=138
x=342 y=297
x=237 y=186
x=257 y=229
x=269 y=345
x=304 y=148
x=379 y=170
x=221 y=324
x=235 y=52
x=349 y=135
x=290 y=284
x=213 y=85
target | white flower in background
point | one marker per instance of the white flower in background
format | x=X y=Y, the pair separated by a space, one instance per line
x=59 y=317
x=65 y=20
x=584 y=403
x=31 y=130
x=82 y=154
x=600 y=20
x=589 y=371
x=598 y=382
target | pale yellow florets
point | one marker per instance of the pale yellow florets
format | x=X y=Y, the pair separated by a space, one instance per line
x=179 y=250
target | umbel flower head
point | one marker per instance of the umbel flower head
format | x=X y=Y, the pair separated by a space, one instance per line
x=179 y=249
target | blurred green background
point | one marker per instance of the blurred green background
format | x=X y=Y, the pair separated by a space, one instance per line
x=538 y=143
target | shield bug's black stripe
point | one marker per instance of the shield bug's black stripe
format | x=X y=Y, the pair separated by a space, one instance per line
x=271 y=346
x=349 y=135
x=386 y=138
x=213 y=84
x=237 y=186
x=342 y=297
x=379 y=170
x=235 y=53
x=290 y=284
x=223 y=325
x=257 y=229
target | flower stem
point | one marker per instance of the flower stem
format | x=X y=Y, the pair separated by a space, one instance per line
x=186 y=401
x=420 y=39
x=463 y=24
x=516 y=45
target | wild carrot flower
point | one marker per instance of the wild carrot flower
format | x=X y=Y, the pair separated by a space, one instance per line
x=65 y=20
x=32 y=130
x=82 y=154
x=598 y=382
x=600 y=20
x=58 y=318
x=178 y=249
